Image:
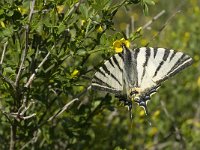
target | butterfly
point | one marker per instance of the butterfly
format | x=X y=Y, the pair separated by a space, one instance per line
x=134 y=75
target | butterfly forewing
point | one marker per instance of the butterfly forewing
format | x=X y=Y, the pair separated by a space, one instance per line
x=109 y=77
x=155 y=65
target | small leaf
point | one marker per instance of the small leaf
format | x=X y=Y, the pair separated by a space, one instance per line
x=145 y=9
x=150 y=2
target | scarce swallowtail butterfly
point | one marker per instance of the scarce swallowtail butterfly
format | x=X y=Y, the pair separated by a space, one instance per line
x=134 y=75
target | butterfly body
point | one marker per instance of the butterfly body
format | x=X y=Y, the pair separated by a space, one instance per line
x=139 y=73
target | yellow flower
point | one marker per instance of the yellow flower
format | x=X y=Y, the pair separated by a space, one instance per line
x=2 y=24
x=60 y=8
x=99 y=29
x=117 y=45
x=75 y=73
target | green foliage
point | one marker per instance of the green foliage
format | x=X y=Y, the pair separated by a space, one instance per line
x=49 y=53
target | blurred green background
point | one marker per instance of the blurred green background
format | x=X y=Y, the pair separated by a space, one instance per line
x=75 y=37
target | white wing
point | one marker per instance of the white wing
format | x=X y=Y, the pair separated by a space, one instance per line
x=155 y=65
x=109 y=77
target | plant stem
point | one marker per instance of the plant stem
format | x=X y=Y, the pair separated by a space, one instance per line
x=13 y=135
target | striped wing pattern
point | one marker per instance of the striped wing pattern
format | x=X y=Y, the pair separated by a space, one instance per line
x=144 y=67
x=155 y=65
x=109 y=77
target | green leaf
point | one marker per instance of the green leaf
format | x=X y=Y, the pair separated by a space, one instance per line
x=145 y=9
x=149 y=2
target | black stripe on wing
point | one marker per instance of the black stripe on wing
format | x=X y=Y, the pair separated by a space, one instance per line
x=101 y=72
x=165 y=56
x=117 y=63
x=97 y=86
x=155 y=52
x=110 y=61
x=100 y=82
x=148 y=53
x=136 y=52
x=183 y=62
x=172 y=56
x=110 y=74
x=179 y=62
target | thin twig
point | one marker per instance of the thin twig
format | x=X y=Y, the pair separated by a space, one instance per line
x=166 y=111
x=33 y=140
x=5 y=79
x=26 y=108
x=22 y=61
x=127 y=30
x=10 y=82
x=24 y=52
x=64 y=108
x=3 y=53
x=28 y=117
x=36 y=70
x=21 y=117
x=153 y=19
x=178 y=10
x=31 y=10
x=23 y=56
x=162 y=28
x=6 y=115
x=74 y=8
x=13 y=135
x=23 y=108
